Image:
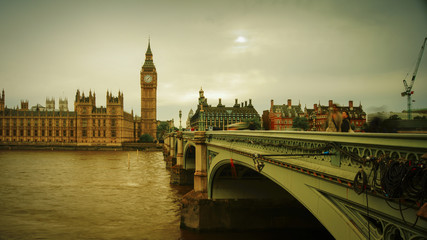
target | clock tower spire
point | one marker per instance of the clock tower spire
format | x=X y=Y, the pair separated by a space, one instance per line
x=148 y=80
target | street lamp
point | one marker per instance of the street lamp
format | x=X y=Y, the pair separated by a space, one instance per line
x=180 y=115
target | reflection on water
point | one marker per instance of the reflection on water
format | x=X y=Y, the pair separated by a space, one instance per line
x=93 y=195
x=57 y=194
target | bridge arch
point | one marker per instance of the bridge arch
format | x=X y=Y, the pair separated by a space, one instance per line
x=234 y=179
x=189 y=156
x=239 y=180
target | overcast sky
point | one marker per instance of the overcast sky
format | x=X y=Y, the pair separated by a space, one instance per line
x=307 y=51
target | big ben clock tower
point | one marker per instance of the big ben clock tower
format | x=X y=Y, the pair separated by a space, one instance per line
x=149 y=95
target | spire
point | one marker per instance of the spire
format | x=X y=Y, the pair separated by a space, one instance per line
x=148 y=64
x=149 y=48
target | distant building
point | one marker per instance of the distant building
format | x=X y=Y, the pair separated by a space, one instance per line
x=219 y=117
x=50 y=104
x=38 y=107
x=318 y=116
x=281 y=116
x=188 y=122
x=87 y=125
x=63 y=104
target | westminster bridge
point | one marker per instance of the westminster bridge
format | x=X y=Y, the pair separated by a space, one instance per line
x=358 y=186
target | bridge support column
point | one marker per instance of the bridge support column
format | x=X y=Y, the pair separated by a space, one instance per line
x=179 y=175
x=166 y=148
x=200 y=175
x=171 y=159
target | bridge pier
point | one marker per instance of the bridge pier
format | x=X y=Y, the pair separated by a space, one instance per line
x=171 y=158
x=179 y=175
x=202 y=214
x=200 y=176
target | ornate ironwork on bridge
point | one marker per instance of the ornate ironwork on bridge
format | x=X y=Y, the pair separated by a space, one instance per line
x=357 y=185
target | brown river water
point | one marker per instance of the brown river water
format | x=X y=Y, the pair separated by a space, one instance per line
x=97 y=195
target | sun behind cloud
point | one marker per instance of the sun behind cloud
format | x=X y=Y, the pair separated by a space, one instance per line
x=240 y=39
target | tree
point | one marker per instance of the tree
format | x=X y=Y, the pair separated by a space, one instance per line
x=146 y=138
x=253 y=123
x=394 y=117
x=300 y=122
x=162 y=129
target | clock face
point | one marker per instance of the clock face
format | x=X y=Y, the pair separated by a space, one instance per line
x=148 y=78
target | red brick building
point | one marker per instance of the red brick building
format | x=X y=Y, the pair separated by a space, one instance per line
x=280 y=117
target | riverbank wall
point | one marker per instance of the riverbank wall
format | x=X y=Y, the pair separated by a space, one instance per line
x=75 y=146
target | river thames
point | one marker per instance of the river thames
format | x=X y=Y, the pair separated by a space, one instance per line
x=96 y=195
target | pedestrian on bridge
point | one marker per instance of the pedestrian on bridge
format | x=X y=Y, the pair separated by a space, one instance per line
x=334 y=120
x=345 y=125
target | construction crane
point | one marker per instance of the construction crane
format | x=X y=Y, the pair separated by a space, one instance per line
x=408 y=88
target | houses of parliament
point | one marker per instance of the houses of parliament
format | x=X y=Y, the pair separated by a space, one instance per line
x=88 y=124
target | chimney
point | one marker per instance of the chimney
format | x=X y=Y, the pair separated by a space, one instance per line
x=250 y=102
x=272 y=102
x=330 y=103
x=246 y=103
x=289 y=102
x=350 y=104
x=236 y=104
x=242 y=104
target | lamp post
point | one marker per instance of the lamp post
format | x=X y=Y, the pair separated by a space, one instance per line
x=180 y=115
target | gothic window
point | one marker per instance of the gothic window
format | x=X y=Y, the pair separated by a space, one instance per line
x=14 y=132
x=93 y=122
x=1 y=132
x=21 y=122
x=14 y=123
x=71 y=133
x=43 y=133
x=113 y=122
x=50 y=123
x=64 y=133
x=84 y=133
x=84 y=122
x=113 y=133
x=64 y=123
x=71 y=123
x=104 y=123
x=57 y=133
x=35 y=133
x=50 y=133
x=21 y=133
x=43 y=123
x=29 y=122
x=57 y=123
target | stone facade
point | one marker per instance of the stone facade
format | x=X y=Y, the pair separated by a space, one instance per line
x=87 y=125
x=148 y=77
x=280 y=117
x=318 y=116
x=221 y=117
